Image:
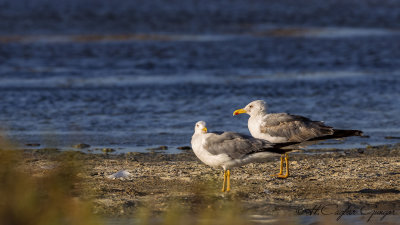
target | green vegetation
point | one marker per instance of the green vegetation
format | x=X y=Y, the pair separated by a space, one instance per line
x=41 y=200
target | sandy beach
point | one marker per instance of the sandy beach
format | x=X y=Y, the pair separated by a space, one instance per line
x=319 y=183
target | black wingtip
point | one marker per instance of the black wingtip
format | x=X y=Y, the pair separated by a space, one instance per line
x=347 y=133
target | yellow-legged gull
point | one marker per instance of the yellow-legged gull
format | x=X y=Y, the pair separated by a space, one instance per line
x=284 y=127
x=229 y=149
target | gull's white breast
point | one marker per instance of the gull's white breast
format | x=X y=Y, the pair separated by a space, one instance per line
x=198 y=142
x=254 y=124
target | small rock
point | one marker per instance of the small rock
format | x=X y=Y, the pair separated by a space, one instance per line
x=45 y=150
x=108 y=150
x=129 y=204
x=33 y=144
x=162 y=147
x=81 y=145
x=391 y=137
x=132 y=154
x=186 y=148
x=47 y=167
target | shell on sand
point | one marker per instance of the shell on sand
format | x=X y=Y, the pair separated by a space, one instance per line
x=120 y=174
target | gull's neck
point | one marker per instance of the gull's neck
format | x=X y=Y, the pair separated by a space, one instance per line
x=258 y=114
x=254 y=123
x=197 y=138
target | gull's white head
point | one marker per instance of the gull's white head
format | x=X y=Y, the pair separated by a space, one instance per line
x=253 y=108
x=200 y=128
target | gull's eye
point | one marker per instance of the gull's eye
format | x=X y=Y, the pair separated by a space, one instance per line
x=197 y=125
x=251 y=106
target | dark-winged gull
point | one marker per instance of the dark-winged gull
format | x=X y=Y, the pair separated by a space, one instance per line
x=284 y=127
x=229 y=149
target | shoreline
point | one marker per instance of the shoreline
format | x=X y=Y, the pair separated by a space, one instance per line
x=357 y=177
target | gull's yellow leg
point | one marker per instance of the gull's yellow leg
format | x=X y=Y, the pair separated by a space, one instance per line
x=281 y=168
x=223 y=185
x=228 y=183
x=287 y=167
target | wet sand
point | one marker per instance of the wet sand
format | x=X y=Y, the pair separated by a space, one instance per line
x=366 y=177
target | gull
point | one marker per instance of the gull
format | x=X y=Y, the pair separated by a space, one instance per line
x=284 y=127
x=229 y=149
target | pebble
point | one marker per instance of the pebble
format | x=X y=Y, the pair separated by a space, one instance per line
x=108 y=150
x=81 y=145
x=162 y=147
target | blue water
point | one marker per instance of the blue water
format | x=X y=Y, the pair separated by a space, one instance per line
x=139 y=74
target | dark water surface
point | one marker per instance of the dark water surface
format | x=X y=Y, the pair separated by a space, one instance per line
x=140 y=74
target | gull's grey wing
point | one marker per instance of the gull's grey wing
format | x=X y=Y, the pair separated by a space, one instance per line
x=237 y=145
x=293 y=127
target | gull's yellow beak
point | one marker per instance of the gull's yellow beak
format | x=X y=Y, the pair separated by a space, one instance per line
x=204 y=129
x=239 y=111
